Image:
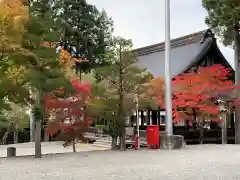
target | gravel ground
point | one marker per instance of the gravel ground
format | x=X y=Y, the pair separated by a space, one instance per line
x=26 y=149
x=211 y=162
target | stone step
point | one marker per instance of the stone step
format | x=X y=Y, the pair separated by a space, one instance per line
x=102 y=146
x=107 y=143
x=102 y=143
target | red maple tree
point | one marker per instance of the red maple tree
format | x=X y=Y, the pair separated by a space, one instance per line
x=195 y=95
x=67 y=112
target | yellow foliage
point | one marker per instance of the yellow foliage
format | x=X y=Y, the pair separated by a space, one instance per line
x=155 y=89
x=12 y=10
x=66 y=58
x=68 y=61
x=48 y=44
x=16 y=73
x=156 y=86
x=13 y=16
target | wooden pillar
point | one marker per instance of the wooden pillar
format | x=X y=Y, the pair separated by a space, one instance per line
x=158 y=117
x=145 y=117
x=150 y=117
x=136 y=118
x=232 y=120
x=140 y=118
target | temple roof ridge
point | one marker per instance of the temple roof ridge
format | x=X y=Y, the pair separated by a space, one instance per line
x=186 y=52
x=176 y=42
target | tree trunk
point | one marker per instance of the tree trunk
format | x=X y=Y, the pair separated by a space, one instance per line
x=123 y=141
x=46 y=137
x=237 y=82
x=44 y=122
x=32 y=127
x=80 y=75
x=16 y=136
x=74 y=145
x=15 y=133
x=194 y=123
x=201 y=135
x=5 y=136
x=38 y=126
x=38 y=148
x=121 y=115
x=114 y=143
x=224 y=129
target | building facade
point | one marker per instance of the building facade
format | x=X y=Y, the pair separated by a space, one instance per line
x=187 y=53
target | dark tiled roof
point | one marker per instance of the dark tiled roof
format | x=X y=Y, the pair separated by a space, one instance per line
x=184 y=40
x=185 y=51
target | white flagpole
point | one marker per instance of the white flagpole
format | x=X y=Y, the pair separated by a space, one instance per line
x=168 y=79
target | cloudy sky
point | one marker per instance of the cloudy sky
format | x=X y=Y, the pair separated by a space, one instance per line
x=143 y=20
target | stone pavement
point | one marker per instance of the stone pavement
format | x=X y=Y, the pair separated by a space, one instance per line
x=206 y=162
x=26 y=149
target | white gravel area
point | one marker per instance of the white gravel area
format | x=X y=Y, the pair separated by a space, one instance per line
x=28 y=149
x=211 y=162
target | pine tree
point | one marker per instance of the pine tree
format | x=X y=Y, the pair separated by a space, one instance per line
x=46 y=74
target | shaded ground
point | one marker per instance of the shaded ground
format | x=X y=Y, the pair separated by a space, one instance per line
x=194 y=163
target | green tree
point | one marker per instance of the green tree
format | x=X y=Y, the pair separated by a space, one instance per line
x=104 y=106
x=224 y=17
x=87 y=28
x=14 y=120
x=44 y=74
x=119 y=85
x=32 y=49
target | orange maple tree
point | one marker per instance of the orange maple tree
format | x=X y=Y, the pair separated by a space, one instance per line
x=66 y=110
x=195 y=95
x=155 y=90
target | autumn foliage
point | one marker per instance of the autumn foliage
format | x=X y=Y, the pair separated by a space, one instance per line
x=195 y=93
x=13 y=16
x=155 y=90
x=12 y=10
x=66 y=57
x=66 y=110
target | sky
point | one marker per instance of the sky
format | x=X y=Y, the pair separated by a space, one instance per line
x=143 y=20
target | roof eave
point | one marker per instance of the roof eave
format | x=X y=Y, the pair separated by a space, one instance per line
x=192 y=38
